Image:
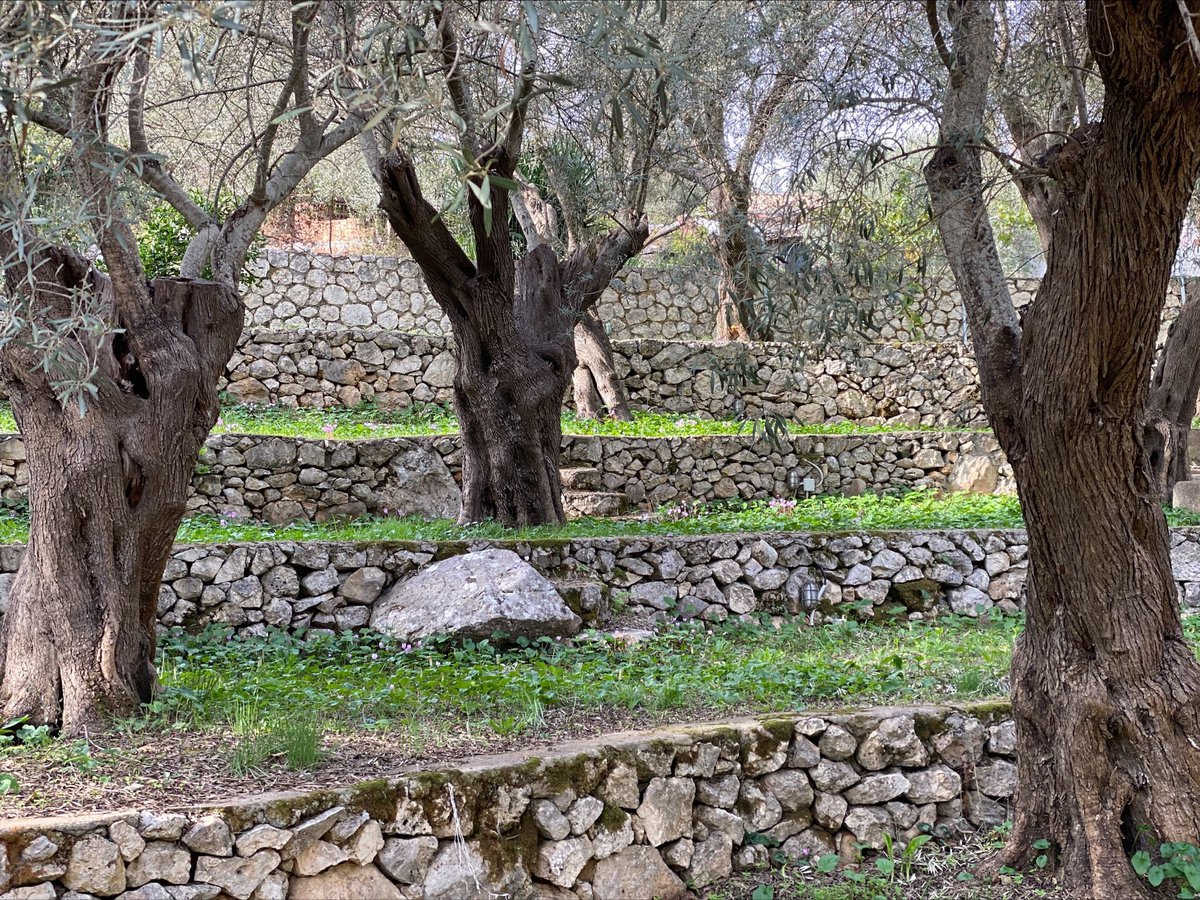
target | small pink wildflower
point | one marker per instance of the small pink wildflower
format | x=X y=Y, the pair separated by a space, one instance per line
x=328 y=427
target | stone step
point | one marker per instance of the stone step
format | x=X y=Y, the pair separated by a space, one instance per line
x=582 y=479
x=599 y=504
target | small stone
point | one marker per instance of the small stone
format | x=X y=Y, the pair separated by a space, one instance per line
x=712 y=860
x=127 y=839
x=636 y=873
x=40 y=848
x=678 y=854
x=237 y=876
x=937 y=784
x=366 y=843
x=344 y=882
x=868 y=824
x=721 y=791
x=876 y=789
x=95 y=866
x=893 y=743
x=161 y=861
x=829 y=810
x=607 y=839
x=262 y=837
x=620 y=788
x=161 y=826
x=833 y=777
x=666 y=809
x=997 y=780
x=837 y=743
x=560 y=862
x=804 y=753
x=1002 y=739
x=790 y=787
x=551 y=824
x=406 y=860
x=583 y=813
x=318 y=857
x=210 y=836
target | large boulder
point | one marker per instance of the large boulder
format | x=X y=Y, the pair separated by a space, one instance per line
x=475 y=596
x=420 y=485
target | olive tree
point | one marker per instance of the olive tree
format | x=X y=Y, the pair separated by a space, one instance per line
x=113 y=379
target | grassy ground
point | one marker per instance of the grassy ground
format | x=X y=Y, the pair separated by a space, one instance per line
x=370 y=421
x=238 y=714
x=870 y=512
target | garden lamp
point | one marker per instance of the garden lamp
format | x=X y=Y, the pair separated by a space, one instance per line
x=795 y=478
x=810 y=597
x=739 y=407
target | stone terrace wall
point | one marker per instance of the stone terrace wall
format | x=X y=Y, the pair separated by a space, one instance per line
x=631 y=815
x=280 y=479
x=322 y=587
x=300 y=289
x=925 y=384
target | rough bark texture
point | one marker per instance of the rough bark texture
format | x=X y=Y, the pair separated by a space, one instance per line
x=740 y=316
x=107 y=491
x=513 y=334
x=1105 y=688
x=598 y=390
x=1173 y=393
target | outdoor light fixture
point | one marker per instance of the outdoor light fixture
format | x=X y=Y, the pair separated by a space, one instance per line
x=795 y=478
x=739 y=407
x=810 y=597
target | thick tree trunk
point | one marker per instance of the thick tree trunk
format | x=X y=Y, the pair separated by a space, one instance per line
x=508 y=397
x=1106 y=691
x=740 y=316
x=1173 y=394
x=597 y=387
x=513 y=333
x=107 y=492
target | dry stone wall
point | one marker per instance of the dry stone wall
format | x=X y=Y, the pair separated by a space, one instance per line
x=320 y=588
x=284 y=479
x=302 y=289
x=636 y=815
x=914 y=384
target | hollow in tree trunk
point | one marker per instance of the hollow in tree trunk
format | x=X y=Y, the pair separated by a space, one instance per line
x=597 y=387
x=1106 y=690
x=106 y=493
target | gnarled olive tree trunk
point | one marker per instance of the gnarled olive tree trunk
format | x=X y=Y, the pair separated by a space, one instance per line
x=107 y=490
x=513 y=325
x=1106 y=691
x=597 y=387
x=739 y=281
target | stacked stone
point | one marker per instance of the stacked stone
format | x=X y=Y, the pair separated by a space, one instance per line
x=284 y=479
x=636 y=816
x=895 y=384
x=302 y=289
x=914 y=384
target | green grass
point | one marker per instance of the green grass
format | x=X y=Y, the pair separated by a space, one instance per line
x=923 y=510
x=349 y=682
x=370 y=421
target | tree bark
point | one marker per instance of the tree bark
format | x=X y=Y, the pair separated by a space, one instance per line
x=739 y=283
x=598 y=390
x=513 y=335
x=107 y=490
x=1106 y=691
x=1173 y=394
